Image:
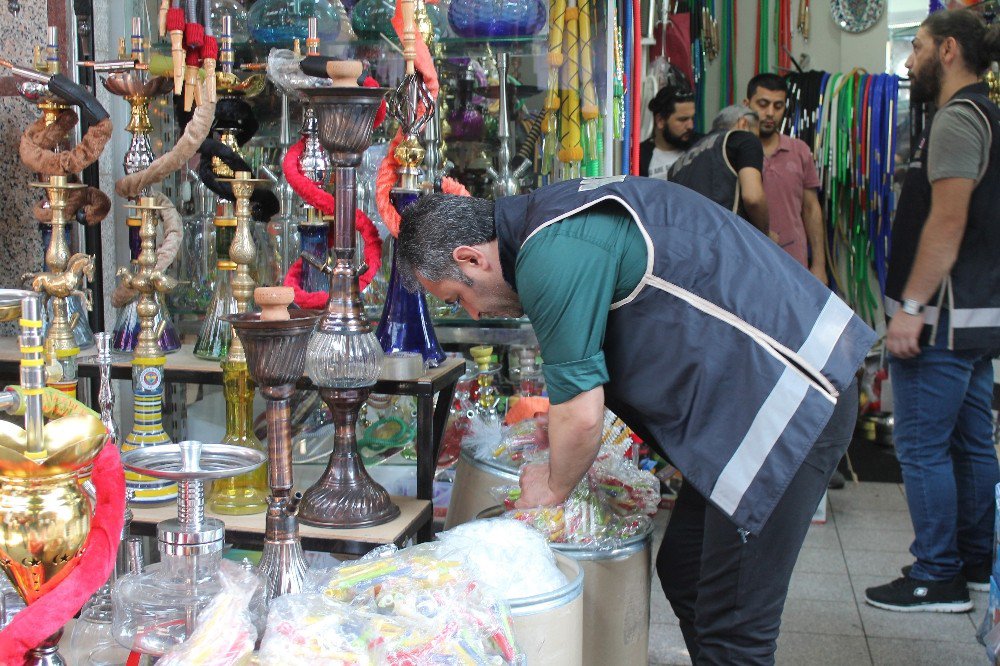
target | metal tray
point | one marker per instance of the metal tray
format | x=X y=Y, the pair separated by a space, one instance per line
x=216 y=461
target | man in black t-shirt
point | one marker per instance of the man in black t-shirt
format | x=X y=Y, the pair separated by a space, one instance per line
x=726 y=165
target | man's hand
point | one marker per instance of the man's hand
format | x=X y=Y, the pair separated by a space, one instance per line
x=535 y=487
x=903 y=336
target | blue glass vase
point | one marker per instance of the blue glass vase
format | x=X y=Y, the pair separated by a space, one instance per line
x=497 y=18
x=313 y=239
x=278 y=23
x=406 y=325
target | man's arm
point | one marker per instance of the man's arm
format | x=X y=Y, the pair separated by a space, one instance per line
x=936 y=254
x=753 y=198
x=812 y=219
x=574 y=439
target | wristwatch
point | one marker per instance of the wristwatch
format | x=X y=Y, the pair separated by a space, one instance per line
x=912 y=307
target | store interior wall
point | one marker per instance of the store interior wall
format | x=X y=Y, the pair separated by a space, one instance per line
x=829 y=48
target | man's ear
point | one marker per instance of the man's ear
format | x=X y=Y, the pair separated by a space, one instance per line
x=466 y=255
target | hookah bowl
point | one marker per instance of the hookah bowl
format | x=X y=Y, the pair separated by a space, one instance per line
x=158 y=609
x=276 y=357
x=44 y=511
x=344 y=358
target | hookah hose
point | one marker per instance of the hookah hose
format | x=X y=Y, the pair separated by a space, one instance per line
x=196 y=130
x=636 y=97
x=264 y=203
x=166 y=251
x=50 y=613
x=627 y=35
x=324 y=202
x=89 y=205
x=386 y=177
x=55 y=404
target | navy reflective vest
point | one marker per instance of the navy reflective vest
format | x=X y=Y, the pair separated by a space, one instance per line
x=729 y=354
x=971 y=292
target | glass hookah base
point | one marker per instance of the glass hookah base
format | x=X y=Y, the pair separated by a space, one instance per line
x=361 y=505
x=240 y=495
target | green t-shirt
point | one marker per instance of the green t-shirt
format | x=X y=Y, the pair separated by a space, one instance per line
x=568 y=275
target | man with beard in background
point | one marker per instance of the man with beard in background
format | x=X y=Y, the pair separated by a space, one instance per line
x=790 y=179
x=943 y=297
x=673 y=131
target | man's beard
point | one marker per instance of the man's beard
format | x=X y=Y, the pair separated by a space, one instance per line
x=764 y=132
x=678 y=142
x=926 y=86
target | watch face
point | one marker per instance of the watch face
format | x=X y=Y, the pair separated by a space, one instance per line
x=856 y=15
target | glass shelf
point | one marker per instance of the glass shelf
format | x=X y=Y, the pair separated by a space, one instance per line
x=459 y=47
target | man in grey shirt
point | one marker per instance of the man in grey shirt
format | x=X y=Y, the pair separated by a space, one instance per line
x=943 y=299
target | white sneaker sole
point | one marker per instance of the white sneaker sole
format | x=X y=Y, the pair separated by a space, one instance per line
x=978 y=587
x=951 y=607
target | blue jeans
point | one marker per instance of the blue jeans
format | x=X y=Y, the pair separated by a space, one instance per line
x=944 y=441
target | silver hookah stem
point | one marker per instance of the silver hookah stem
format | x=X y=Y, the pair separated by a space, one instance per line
x=505 y=181
x=106 y=391
x=32 y=377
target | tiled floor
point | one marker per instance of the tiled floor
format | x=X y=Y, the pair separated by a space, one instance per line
x=826 y=620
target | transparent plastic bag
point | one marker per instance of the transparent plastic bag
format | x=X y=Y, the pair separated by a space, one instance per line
x=283 y=70
x=408 y=608
x=507 y=556
x=508 y=446
x=590 y=516
x=225 y=633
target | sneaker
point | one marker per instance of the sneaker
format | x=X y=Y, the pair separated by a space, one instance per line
x=977 y=577
x=911 y=595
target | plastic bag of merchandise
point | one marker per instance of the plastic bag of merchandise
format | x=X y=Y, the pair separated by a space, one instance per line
x=283 y=70
x=627 y=488
x=590 y=516
x=451 y=617
x=507 y=556
x=509 y=446
x=225 y=634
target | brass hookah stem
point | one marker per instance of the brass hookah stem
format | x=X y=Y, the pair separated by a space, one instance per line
x=242 y=252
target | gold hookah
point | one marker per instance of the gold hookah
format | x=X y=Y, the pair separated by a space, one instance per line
x=247 y=493
x=62 y=280
x=148 y=359
x=215 y=335
x=44 y=512
x=129 y=81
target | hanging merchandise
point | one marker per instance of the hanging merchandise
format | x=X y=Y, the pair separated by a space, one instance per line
x=849 y=120
x=496 y=18
x=854 y=16
x=802 y=25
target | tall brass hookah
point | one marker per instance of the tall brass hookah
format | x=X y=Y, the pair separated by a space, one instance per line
x=215 y=335
x=44 y=512
x=245 y=494
x=148 y=360
x=127 y=78
x=62 y=279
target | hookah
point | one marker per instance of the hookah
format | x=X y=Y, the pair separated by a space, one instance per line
x=344 y=358
x=281 y=230
x=148 y=359
x=487 y=399
x=275 y=342
x=529 y=376
x=234 y=122
x=131 y=83
x=62 y=280
x=506 y=181
x=45 y=516
x=159 y=608
x=247 y=494
x=53 y=93
x=405 y=325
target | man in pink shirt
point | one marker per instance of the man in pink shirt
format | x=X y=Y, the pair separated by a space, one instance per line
x=790 y=179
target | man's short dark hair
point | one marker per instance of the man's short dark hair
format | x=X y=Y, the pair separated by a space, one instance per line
x=665 y=102
x=767 y=81
x=434 y=226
